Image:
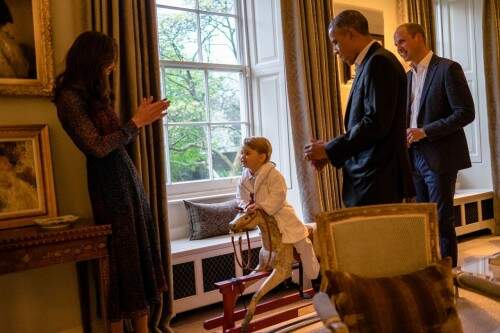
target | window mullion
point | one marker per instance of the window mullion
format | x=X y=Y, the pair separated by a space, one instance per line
x=220 y=123
x=189 y=10
x=209 y=127
x=165 y=126
x=198 y=22
x=202 y=65
x=167 y=155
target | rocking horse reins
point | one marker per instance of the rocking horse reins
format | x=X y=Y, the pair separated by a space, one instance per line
x=249 y=251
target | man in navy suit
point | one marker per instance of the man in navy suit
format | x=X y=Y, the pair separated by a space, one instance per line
x=439 y=106
x=372 y=153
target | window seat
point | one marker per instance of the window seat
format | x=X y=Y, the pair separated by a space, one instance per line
x=186 y=247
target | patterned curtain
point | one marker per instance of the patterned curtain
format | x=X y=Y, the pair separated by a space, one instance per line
x=421 y=12
x=491 y=44
x=133 y=25
x=313 y=96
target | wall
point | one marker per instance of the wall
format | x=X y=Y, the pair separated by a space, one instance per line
x=459 y=36
x=46 y=300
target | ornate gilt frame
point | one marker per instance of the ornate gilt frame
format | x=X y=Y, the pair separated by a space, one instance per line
x=38 y=138
x=44 y=82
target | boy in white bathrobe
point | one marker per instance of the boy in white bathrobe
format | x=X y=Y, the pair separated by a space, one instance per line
x=262 y=186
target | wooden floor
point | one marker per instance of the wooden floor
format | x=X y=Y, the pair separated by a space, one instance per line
x=192 y=322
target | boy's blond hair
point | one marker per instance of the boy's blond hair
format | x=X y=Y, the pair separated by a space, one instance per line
x=259 y=144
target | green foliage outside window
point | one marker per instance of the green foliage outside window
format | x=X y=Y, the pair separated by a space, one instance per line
x=202 y=76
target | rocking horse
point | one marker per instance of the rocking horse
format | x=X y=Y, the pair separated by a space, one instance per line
x=276 y=261
x=279 y=255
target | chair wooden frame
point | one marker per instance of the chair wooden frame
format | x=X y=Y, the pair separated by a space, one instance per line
x=326 y=239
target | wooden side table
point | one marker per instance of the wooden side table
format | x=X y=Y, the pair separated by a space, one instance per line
x=33 y=247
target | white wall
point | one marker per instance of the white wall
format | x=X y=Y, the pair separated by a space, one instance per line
x=46 y=300
x=460 y=37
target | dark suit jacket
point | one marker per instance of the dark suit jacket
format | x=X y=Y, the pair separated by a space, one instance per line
x=373 y=152
x=446 y=106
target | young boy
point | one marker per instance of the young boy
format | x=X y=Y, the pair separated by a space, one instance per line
x=262 y=186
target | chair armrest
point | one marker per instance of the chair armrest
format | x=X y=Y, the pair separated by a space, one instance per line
x=478 y=284
x=328 y=314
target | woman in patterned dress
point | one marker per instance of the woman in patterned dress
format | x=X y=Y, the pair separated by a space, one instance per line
x=85 y=109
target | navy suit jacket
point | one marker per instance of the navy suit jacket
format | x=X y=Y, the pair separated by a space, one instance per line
x=446 y=106
x=373 y=153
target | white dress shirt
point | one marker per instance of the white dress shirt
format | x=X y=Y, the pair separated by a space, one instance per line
x=417 y=83
x=361 y=56
x=359 y=60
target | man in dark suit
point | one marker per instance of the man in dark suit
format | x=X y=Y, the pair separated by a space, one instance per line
x=372 y=152
x=439 y=106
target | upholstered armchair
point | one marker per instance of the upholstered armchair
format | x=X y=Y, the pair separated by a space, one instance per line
x=369 y=256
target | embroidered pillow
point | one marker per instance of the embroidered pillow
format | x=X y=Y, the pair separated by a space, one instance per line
x=422 y=301
x=209 y=220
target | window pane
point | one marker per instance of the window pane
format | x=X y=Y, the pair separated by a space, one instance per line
x=226 y=145
x=224 y=96
x=177 y=34
x=219 y=39
x=188 y=153
x=218 y=6
x=191 y=4
x=185 y=88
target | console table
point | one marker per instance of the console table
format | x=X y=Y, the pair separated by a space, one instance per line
x=33 y=247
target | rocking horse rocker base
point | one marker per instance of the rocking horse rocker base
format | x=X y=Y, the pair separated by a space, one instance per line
x=231 y=289
x=282 y=267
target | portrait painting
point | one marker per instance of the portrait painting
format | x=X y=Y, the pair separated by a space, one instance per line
x=26 y=184
x=26 y=65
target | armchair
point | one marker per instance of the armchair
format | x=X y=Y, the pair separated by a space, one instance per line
x=373 y=242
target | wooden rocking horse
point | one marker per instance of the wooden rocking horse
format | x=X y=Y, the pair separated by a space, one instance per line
x=276 y=261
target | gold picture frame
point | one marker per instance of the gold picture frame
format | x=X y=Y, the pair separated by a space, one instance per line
x=26 y=180
x=27 y=67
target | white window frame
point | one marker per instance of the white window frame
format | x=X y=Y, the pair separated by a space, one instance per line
x=212 y=187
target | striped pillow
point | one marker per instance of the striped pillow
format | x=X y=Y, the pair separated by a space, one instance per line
x=422 y=301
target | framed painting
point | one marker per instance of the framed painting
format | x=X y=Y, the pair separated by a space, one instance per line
x=26 y=180
x=26 y=55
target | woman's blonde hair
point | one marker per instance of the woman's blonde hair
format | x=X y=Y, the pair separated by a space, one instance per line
x=259 y=144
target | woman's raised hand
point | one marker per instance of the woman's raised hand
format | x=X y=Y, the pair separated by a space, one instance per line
x=149 y=111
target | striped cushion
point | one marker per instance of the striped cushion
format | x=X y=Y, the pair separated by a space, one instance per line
x=422 y=301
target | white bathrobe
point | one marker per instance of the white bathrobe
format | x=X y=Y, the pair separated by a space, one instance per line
x=270 y=189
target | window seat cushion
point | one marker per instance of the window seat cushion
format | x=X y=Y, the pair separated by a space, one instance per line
x=185 y=246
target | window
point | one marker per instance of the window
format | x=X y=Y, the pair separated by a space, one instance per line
x=202 y=64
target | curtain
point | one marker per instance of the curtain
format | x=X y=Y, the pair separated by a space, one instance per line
x=421 y=12
x=133 y=25
x=491 y=44
x=313 y=96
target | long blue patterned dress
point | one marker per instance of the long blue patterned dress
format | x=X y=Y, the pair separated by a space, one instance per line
x=118 y=198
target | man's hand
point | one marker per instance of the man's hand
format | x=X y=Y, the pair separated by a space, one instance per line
x=315 y=151
x=319 y=164
x=414 y=135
